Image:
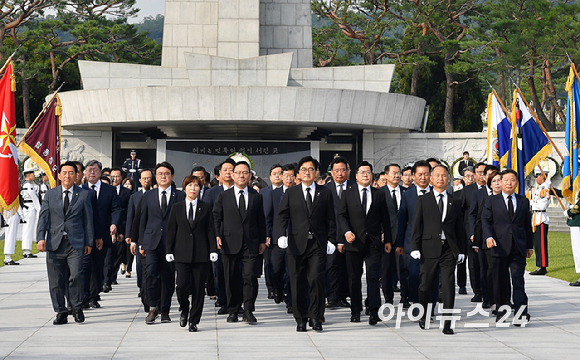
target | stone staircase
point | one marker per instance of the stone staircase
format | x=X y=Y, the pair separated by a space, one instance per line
x=557 y=218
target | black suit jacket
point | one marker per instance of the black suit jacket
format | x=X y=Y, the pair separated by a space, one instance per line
x=124 y=196
x=293 y=212
x=235 y=231
x=134 y=201
x=393 y=212
x=271 y=212
x=190 y=244
x=106 y=211
x=366 y=227
x=427 y=226
x=496 y=223
x=463 y=165
x=336 y=202
x=152 y=223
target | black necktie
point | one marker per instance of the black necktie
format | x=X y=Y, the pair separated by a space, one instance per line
x=510 y=207
x=440 y=204
x=364 y=200
x=395 y=200
x=340 y=191
x=242 y=204
x=190 y=215
x=163 y=202
x=308 y=200
x=423 y=192
x=94 y=187
x=66 y=201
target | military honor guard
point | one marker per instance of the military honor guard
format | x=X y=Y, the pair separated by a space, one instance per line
x=132 y=166
x=573 y=215
x=30 y=204
x=10 y=238
x=539 y=197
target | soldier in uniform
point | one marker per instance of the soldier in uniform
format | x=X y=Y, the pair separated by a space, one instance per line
x=30 y=203
x=10 y=238
x=573 y=215
x=539 y=197
x=132 y=166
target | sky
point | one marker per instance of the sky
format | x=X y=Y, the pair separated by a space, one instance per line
x=148 y=7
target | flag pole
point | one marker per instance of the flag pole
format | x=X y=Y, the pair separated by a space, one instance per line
x=538 y=121
x=9 y=59
x=551 y=187
x=40 y=114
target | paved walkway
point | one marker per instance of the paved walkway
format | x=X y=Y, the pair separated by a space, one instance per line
x=118 y=329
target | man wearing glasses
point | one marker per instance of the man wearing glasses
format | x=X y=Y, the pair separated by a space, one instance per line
x=309 y=210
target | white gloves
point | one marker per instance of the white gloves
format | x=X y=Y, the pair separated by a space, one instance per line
x=566 y=213
x=330 y=248
x=213 y=257
x=460 y=258
x=169 y=258
x=282 y=242
x=416 y=254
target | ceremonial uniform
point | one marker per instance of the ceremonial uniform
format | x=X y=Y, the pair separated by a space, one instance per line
x=573 y=221
x=133 y=168
x=539 y=200
x=10 y=238
x=30 y=209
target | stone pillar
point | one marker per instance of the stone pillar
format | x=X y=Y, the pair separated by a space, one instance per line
x=239 y=29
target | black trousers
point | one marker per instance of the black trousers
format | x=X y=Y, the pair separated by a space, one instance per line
x=486 y=275
x=371 y=256
x=64 y=267
x=388 y=269
x=473 y=265
x=445 y=264
x=191 y=281
x=241 y=280
x=160 y=279
x=514 y=264
x=336 y=277
x=541 y=245
x=307 y=270
x=219 y=281
x=97 y=270
x=268 y=268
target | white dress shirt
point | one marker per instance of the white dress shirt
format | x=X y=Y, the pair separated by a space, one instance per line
x=97 y=187
x=505 y=200
x=419 y=193
x=312 y=191
x=397 y=194
x=187 y=205
x=437 y=193
x=369 y=196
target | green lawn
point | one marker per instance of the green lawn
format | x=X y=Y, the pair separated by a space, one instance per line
x=17 y=253
x=560 y=260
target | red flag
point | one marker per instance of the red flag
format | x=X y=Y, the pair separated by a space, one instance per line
x=8 y=151
x=42 y=140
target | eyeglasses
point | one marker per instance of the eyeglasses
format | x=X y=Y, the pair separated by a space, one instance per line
x=365 y=172
x=165 y=174
x=310 y=169
x=240 y=173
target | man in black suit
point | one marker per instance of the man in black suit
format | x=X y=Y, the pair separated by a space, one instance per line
x=309 y=210
x=280 y=282
x=199 y=172
x=336 y=276
x=465 y=163
x=507 y=230
x=153 y=213
x=276 y=182
x=65 y=231
x=438 y=239
x=363 y=218
x=106 y=213
x=391 y=262
x=240 y=228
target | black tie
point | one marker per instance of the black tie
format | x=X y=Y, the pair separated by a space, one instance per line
x=340 y=191
x=163 y=202
x=94 y=187
x=242 y=204
x=423 y=192
x=308 y=200
x=190 y=215
x=364 y=200
x=510 y=207
x=440 y=204
x=395 y=200
x=66 y=201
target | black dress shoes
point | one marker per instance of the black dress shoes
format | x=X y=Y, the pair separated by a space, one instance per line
x=232 y=318
x=289 y=310
x=462 y=291
x=192 y=328
x=374 y=319
x=165 y=318
x=343 y=303
x=151 y=316
x=107 y=288
x=316 y=325
x=486 y=305
x=11 y=262
x=79 y=315
x=448 y=331
x=332 y=304
x=61 y=318
x=422 y=323
x=522 y=321
x=301 y=326
x=183 y=319
x=270 y=295
x=355 y=318
x=278 y=297
x=249 y=317
x=477 y=298
x=30 y=256
x=94 y=304
x=575 y=283
x=539 y=271
x=222 y=310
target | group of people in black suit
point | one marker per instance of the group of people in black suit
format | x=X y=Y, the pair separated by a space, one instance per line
x=223 y=236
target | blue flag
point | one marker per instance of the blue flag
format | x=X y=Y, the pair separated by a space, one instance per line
x=499 y=128
x=571 y=180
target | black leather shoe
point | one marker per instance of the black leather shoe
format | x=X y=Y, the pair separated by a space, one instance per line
x=107 y=288
x=183 y=319
x=217 y=304
x=192 y=328
x=575 y=283
x=332 y=304
x=278 y=298
x=499 y=315
x=30 y=256
x=396 y=289
x=165 y=318
x=539 y=271
x=151 y=316
x=232 y=318
x=270 y=295
x=222 y=311
x=448 y=331
x=289 y=310
x=301 y=326
x=61 y=318
x=422 y=323
x=69 y=309
x=355 y=318
x=374 y=319
x=94 y=304
x=527 y=316
x=477 y=298
x=406 y=305
x=115 y=283
x=462 y=291
x=11 y=262
x=343 y=303
x=316 y=325
x=79 y=315
x=486 y=305
x=249 y=317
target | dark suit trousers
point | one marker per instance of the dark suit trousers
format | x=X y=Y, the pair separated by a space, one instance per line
x=97 y=272
x=268 y=267
x=541 y=245
x=473 y=265
x=462 y=274
x=191 y=281
x=388 y=269
x=371 y=256
x=160 y=278
x=486 y=275
x=308 y=270
x=514 y=264
x=64 y=267
x=412 y=274
x=241 y=280
x=219 y=280
x=336 y=277
x=429 y=267
x=278 y=262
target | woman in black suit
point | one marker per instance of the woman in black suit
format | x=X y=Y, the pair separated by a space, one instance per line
x=190 y=243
